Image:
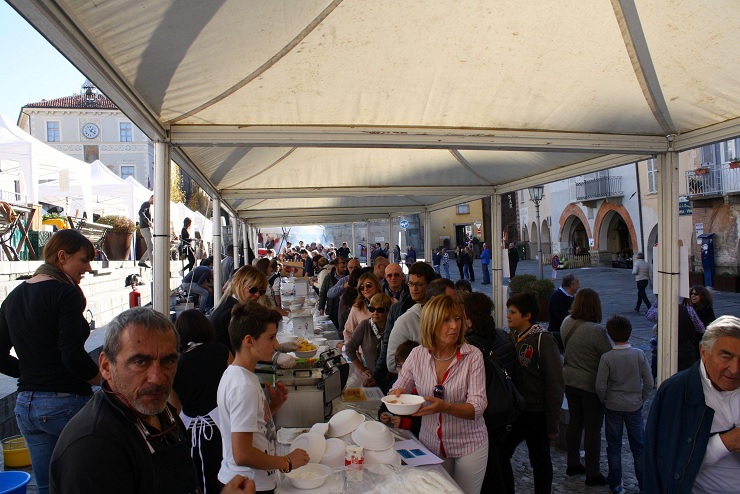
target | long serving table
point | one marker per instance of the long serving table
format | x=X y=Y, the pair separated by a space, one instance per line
x=377 y=479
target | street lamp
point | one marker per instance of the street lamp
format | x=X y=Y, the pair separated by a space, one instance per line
x=535 y=195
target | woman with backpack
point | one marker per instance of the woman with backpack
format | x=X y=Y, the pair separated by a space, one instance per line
x=483 y=334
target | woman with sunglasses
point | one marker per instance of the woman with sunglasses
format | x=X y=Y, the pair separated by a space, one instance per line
x=367 y=286
x=248 y=283
x=450 y=374
x=368 y=337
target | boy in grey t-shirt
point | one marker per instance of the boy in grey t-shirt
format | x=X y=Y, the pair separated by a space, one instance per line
x=623 y=383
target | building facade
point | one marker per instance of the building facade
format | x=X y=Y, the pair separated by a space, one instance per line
x=89 y=127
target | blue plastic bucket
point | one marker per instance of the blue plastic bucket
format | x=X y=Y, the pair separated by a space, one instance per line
x=14 y=482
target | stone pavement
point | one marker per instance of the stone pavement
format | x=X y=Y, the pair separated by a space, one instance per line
x=618 y=293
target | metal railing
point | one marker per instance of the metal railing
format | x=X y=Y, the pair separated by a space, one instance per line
x=599 y=188
x=716 y=181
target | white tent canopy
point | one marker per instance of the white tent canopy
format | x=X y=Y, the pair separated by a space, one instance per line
x=354 y=109
x=324 y=111
x=110 y=193
x=35 y=162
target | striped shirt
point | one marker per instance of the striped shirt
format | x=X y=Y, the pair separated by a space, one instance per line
x=465 y=383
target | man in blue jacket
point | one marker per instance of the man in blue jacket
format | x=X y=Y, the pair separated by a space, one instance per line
x=485 y=262
x=692 y=436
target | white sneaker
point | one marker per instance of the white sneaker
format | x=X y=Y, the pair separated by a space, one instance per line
x=181 y=272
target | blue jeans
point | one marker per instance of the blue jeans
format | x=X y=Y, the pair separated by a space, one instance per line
x=614 y=421
x=41 y=416
x=446 y=268
x=486 y=273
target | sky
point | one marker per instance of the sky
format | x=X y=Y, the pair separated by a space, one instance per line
x=31 y=68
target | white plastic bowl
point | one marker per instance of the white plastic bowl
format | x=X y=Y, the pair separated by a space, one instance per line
x=295 y=306
x=334 y=454
x=320 y=428
x=404 y=404
x=307 y=354
x=319 y=317
x=309 y=476
x=318 y=341
x=286 y=338
x=386 y=457
x=373 y=436
x=344 y=422
x=312 y=443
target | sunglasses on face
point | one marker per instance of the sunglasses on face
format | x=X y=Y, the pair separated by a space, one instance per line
x=255 y=289
x=379 y=310
x=439 y=391
x=694 y=294
x=392 y=275
x=367 y=286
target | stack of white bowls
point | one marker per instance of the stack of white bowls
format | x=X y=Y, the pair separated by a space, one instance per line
x=377 y=440
x=344 y=423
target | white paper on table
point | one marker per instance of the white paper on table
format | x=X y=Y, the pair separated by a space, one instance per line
x=414 y=454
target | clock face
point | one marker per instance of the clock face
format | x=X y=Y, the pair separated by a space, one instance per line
x=90 y=131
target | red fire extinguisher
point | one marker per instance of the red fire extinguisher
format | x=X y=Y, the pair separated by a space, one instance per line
x=134 y=298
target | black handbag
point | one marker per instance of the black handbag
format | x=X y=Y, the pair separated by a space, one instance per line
x=505 y=403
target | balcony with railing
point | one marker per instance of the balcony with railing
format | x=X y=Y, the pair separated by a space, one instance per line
x=713 y=181
x=599 y=188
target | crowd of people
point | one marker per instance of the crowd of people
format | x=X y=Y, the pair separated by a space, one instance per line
x=179 y=408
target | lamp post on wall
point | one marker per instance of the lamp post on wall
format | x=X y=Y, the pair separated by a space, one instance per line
x=535 y=195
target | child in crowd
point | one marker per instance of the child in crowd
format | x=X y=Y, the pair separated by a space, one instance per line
x=623 y=383
x=410 y=423
x=248 y=431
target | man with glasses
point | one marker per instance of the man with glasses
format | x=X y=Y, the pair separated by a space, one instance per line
x=408 y=325
x=420 y=275
x=394 y=282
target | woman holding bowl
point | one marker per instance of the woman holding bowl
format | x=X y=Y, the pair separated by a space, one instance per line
x=450 y=374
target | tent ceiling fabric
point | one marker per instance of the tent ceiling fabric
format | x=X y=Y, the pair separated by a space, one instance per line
x=319 y=105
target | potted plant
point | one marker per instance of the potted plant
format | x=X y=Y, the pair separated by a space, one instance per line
x=117 y=242
x=702 y=170
x=735 y=162
x=543 y=289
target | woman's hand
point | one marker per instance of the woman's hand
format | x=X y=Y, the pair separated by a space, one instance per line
x=298 y=458
x=436 y=405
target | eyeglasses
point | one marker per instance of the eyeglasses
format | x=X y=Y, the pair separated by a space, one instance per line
x=439 y=391
x=379 y=310
x=255 y=289
x=367 y=286
x=418 y=285
x=694 y=293
x=392 y=275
